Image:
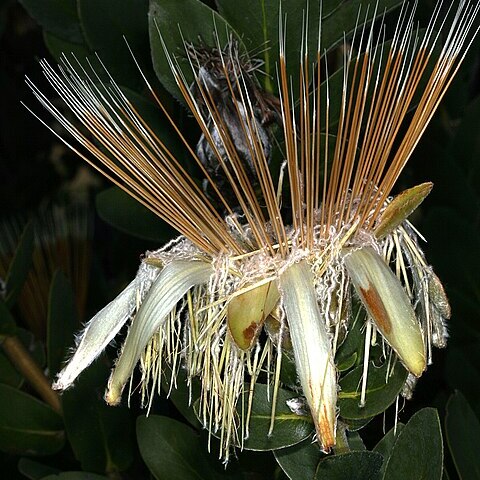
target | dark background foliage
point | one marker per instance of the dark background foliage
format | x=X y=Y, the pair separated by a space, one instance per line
x=36 y=170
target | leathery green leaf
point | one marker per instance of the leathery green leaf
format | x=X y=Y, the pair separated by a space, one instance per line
x=167 y=290
x=189 y=20
x=418 y=451
x=105 y=24
x=57 y=16
x=350 y=351
x=312 y=350
x=8 y=325
x=400 y=208
x=388 y=305
x=300 y=461
x=173 y=450
x=20 y=265
x=463 y=431
x=247 y=313
x=75 y=476
x=357 y=465
x=8 y=373
x=34 y=470
x=181 y=394
x=385 y=445
x=59 y=46
x=101 y=437
x=31 y=428
x=62 y=320
x=382 y=390
x=123 y=212
x=258 y=24
x=289 y=427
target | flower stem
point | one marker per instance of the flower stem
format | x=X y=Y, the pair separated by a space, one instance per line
x=341 y=440
x=25 y=364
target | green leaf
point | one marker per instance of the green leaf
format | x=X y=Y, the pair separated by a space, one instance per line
x=289 y=428
x=105 y=23
x=257 y=22
x=31 y=428
x=354 y=465
x=463 y=431
x=191 y=19
x=123 y=212
x=300 y=462
x=355 y=441
x=35 y=470
x=418 y=451
x=288 y=371
x=75 y=476
x=80 y=56
x=34 y=346
x=8 y=373
x=57 y=16
x=348 y=362
x=7 y=322
x=20 y=265
x=355 y=424
x=173 y=450
x=62 y=321
x=101 y=436
x=4 y=5
x=58 y=46
x=180 y=394
x=350 y=352
x=380 y=393
x=344 y=19
x=385 y=445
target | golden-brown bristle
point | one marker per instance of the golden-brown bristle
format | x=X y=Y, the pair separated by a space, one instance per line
x=368 y=156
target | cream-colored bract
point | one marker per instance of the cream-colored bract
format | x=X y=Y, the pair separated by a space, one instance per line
x=179 y=301
x=98 y=333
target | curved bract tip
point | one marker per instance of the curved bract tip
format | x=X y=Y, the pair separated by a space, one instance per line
x=98 y=333
x=168 y=289
x=314 y=357
x=388 y=305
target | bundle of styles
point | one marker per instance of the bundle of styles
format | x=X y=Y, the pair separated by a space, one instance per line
x=274 y=258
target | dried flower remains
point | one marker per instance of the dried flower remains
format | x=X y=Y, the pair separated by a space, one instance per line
x=272 y=266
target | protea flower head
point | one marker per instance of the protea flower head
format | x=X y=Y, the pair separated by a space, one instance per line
x=258 y=247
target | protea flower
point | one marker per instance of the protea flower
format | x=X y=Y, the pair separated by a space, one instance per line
x=280 y=248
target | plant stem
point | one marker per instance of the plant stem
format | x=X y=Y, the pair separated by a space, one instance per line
x=25 y=364
x=341 y=445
